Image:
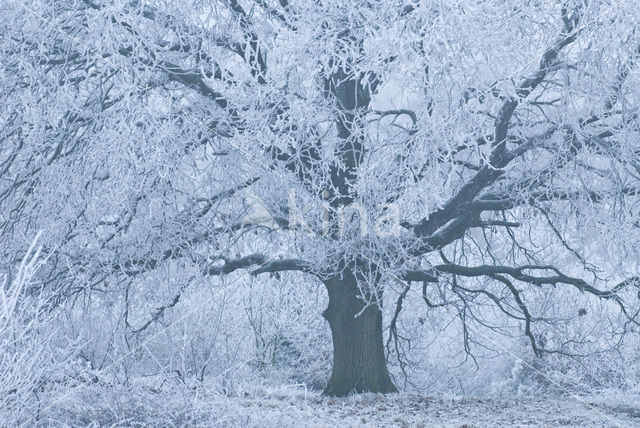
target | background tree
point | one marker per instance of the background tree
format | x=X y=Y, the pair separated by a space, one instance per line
x=487 y=151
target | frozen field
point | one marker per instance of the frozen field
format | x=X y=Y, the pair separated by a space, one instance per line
x=100 y=406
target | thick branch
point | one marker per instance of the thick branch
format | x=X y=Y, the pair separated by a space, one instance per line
x=457 y=206
x=280 y=265
x=520 y=274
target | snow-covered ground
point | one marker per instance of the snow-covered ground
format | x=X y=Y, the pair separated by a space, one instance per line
x=100 y=405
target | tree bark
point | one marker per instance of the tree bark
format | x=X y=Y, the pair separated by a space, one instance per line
x=359 y=364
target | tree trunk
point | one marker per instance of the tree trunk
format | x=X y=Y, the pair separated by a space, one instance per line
x=359 y=364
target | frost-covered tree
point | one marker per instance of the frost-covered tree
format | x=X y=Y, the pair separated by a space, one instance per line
x=487 y=151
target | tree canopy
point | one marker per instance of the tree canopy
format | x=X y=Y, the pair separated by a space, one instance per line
x=483 y=157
